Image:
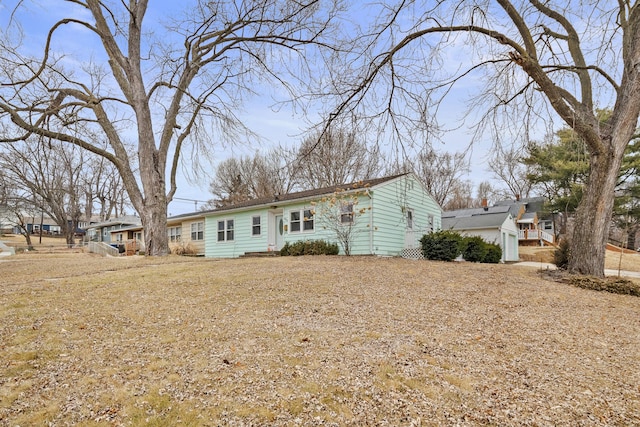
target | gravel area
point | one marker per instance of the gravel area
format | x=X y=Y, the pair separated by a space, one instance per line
x=333 y=341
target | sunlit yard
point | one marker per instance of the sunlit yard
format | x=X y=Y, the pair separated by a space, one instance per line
x=309 y=341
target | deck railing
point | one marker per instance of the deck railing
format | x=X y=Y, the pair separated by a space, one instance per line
x=535 y=235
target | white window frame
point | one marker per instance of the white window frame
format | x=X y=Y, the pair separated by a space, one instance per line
x=227 y=232
x=305 y=220
x=409 y=215
x=256 y=227
x=175 y=233
x=197 y=231
x=346 y=213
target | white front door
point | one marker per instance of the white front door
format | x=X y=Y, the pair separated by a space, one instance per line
x=279 y=232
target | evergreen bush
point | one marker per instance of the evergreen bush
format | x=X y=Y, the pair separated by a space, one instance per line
x=442 y=245
x=562 y=254
x=309 y=247
x=474 y=249
x=493 y=254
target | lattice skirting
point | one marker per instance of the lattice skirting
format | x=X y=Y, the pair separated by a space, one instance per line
x=413 y=253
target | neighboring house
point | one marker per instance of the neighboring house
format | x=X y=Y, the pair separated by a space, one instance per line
x=394 y=212
x=188 y=231
x=113 y=229
x=35 y=222
x=535 y=226
x=494 y=224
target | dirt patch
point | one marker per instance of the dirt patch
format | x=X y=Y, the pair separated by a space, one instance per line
x=309 y=341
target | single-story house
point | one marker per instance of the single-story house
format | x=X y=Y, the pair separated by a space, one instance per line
x=113 y=230
x=383 y=216
x=185 y=231
x=494 y=224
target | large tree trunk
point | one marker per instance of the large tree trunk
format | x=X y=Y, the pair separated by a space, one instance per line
x=154 y=210
x=593 y=217
x=154 y=221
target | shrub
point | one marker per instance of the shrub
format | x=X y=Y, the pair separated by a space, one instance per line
x=183 y=249
x=562 y=254
x=474 y=248
x=309 y=247
x=442 y=245
x=493 y=254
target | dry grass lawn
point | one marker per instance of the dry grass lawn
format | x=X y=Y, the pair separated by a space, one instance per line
x=90 y=341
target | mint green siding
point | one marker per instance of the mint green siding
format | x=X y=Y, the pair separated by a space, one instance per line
x=380 y=223
x=243 y=239
x=391 y=203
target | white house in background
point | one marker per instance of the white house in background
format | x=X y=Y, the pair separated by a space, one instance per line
x=494 y=224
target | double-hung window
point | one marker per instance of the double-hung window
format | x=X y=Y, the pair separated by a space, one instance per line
x=409 y=219
x=197 y=231
x=175 y=234
x=346 y=213
x=256 y=228
x=225 y=230
x=301 y=220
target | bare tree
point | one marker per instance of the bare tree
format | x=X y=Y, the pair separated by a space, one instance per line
x=245 y=178
x=537 y=59
x=162 y=91
x=336 y=157
x=507 y=166
x=104 y=191
x=460 y=196
x=440 y=172
x=486 y=191
x=46 y=177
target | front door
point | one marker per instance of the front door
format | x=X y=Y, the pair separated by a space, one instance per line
x=279 y=232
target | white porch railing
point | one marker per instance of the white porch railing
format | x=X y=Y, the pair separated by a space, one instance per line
x=535 y=235
x=102 y=248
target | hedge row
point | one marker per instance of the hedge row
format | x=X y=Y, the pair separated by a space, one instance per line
x=446 y=245
x=309 y=247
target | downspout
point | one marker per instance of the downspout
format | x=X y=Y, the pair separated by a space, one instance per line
x=370 y=224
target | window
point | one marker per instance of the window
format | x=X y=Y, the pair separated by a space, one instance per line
x=430 y=222
x=175 y=234
x=301 y=220
x=255 y=226
x=346 y=213
x=225 y=230
x=295 y=221
x=197 y=231
x=409 y=219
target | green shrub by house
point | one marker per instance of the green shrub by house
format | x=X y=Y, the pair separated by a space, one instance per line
x=493 y=254
x=474 y=249
x=443 y=245
x=309 y=247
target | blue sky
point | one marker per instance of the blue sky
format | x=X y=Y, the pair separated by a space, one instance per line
x=280 y=128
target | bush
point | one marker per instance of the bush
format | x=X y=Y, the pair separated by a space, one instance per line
x=474 y=249
x=309 y=247
x=183 y=249
x=493 y=254
x=442 y=245
x=562 y=254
